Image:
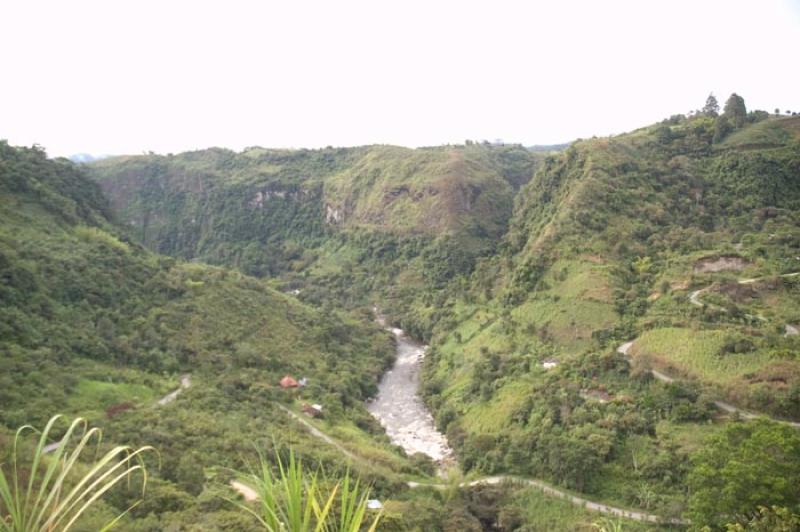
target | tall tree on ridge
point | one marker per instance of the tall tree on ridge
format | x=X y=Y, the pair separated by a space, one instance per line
x=711 y=108
x=735 y=110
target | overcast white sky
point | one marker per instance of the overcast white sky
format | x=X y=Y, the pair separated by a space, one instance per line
x=130 y=76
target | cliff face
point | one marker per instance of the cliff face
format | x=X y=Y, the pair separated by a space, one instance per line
x=381 y=188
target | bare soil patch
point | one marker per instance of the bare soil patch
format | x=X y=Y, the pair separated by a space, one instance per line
x=720 y=264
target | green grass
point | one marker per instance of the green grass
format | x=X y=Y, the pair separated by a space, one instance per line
x=91 y=397
x=695 y=353
x=335 y=259
x=749 y=379
x=569 y=322
x=576 y=303
x=580 y=279
x=494 y=415
x=688 y=436
x=771 y=132
x=476 y=324
x=400 y=190
x=781 y=307
x=542 y=512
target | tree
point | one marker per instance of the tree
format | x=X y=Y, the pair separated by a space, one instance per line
x=642 y=265
x=664 y=134
x=775 y=519
x=777 y=111
x=711 y=108
x=747 y=466
x=757 y=116
x=735 y=110
x=721 y=129
x=189 y=473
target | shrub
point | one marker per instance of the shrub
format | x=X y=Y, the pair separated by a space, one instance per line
x=55 y=494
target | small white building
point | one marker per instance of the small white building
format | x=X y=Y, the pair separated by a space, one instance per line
x=549 y=363
x=314 y=410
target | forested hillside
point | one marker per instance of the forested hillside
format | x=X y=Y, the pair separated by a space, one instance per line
x=676 y=237
x=342 y=224
x=95 y=325
x=619 y=318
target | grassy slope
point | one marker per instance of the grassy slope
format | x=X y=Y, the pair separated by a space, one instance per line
x=769 y=133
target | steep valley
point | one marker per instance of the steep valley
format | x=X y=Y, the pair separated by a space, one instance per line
x=525 y=271
x=338 y=224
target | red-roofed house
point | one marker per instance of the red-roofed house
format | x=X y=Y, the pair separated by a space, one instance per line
x=288 y=382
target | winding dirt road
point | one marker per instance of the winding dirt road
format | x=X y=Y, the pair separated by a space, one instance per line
x=555 y=492
x=694 y=298
x=722 y=405
x=249 y=494
x=246 y=491
x=319 y=434
x=186 y=382
x=410 y=425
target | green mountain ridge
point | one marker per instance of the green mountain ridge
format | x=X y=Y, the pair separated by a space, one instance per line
x=525 y=271
x=606 y=244
x=378 y=220
x=383 y=188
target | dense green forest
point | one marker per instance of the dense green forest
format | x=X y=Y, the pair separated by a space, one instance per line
x=617 y=319
x=340 y=224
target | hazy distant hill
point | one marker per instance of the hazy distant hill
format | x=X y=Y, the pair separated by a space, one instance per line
x=86 y=157
x=549 y=147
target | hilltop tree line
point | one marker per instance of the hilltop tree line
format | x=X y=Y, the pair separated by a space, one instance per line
x=716 y=126
x=734 y=115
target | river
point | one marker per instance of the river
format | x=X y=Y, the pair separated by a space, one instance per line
x=399 y=407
